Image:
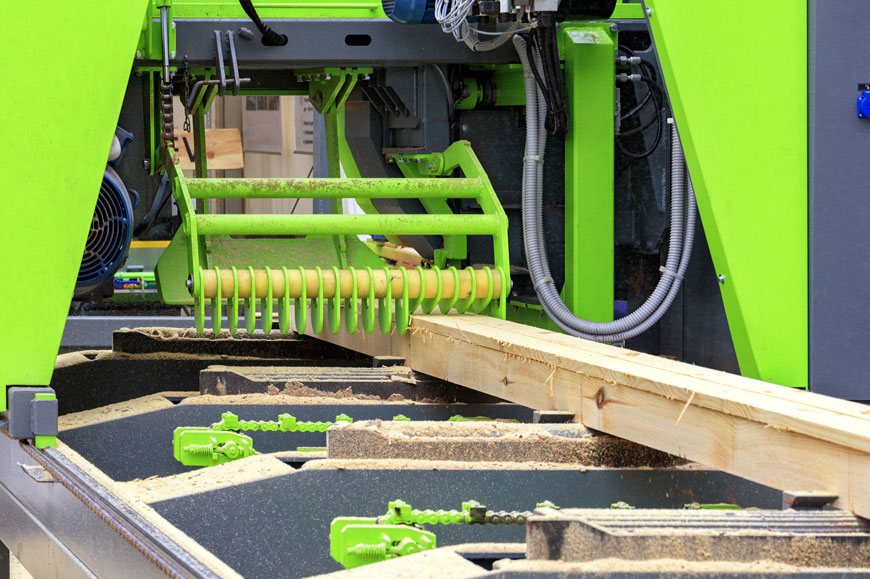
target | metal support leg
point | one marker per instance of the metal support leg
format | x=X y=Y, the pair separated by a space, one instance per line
x=589 y=83
x=333 y=165
x=200 y=164
x=200 y=161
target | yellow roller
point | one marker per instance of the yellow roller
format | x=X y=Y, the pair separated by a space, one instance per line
x=363 y=280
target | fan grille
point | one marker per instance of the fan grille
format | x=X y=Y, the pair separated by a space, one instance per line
x=108 y=237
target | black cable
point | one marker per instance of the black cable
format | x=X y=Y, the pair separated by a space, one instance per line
x=270 y=37
x=657 y=119
x=448 y=89
x=164 y=192
x=557 y=118
x=654 y=94
x=293 y=209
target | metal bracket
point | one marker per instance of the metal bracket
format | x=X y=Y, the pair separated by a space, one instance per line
x=33 y=414
x=37 y=473
x=197 y=94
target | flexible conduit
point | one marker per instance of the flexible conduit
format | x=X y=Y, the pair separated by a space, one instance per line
x=682 y=234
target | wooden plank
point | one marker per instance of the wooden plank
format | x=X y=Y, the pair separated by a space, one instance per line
x=773 y=435
x=223 y=150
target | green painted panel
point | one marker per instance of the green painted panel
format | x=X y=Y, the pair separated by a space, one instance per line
x=65 y=73
x=736 y=74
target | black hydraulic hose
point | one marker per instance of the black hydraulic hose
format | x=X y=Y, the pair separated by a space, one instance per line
x=270 y=37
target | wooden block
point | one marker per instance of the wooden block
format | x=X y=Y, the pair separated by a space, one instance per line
x=489 y=441
x=769 y=434
x=223 y=149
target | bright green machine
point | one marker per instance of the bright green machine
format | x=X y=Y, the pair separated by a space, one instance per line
x=732 y=130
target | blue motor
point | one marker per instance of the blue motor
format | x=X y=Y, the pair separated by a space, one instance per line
x=109 y=236
x=410 y=11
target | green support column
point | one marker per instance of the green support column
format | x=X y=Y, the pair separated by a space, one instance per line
x=589 y=53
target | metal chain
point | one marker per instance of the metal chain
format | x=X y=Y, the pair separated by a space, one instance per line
x=186 y=94
x=285 y=423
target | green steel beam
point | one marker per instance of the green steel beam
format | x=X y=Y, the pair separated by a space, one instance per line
x=342 y=225
x=445 y=188
x=589 y=53
x=62 y=94
x=739 y=95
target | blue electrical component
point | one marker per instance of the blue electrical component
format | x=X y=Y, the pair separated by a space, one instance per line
x=864 y=105
x=410 y=11
x=109 y=236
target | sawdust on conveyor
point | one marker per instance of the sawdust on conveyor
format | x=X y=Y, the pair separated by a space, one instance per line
x=253 y=468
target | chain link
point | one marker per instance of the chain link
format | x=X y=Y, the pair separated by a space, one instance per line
x=186 y=94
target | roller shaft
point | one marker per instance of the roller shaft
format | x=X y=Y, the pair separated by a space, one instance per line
x=363 y=281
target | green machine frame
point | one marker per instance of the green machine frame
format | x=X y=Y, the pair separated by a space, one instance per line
x=745 y=146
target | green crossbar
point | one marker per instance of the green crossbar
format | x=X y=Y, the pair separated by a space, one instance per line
x=346 y=224
x=444 y=188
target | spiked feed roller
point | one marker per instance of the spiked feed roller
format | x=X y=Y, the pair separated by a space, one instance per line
x=333 y=270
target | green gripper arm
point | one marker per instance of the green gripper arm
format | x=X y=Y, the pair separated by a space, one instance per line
x=202 y=446
x=356 y=541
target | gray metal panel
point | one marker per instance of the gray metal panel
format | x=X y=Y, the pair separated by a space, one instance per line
x=66 y=538
x=322 y=43
x=839 y=58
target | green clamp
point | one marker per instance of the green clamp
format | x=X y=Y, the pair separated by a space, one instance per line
x=356 y=541
x=198 y=446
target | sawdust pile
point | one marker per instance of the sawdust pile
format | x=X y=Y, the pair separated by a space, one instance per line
x=253 y=468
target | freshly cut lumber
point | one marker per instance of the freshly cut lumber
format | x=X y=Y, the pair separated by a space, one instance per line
x=783 y=438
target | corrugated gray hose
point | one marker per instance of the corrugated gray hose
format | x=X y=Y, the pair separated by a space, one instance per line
x=682 y=235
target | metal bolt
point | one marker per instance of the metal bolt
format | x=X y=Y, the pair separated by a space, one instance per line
x=649 y=12
x=721 y=278
x=614 y=28
x=465 y=128
x=138 y=54
x=146 y=164
x=172 y=54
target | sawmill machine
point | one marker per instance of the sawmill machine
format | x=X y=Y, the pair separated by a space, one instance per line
x=678 y=178
x=563 y=203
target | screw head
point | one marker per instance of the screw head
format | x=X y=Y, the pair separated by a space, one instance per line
x=614 y=28
x=465 y=128
x=146 y=164
x=138 y=54
x=721 y=278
